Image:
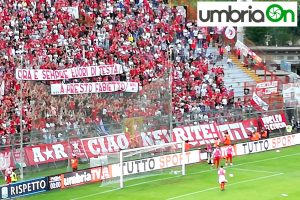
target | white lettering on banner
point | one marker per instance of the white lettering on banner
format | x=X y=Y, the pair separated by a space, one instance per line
x=197 y=135
x=100 y=173
x=155 y=137
x=197 y=131
x=27 y=187
x=46 y=153
x=270 y=90
x=161 y=136
x=267 y=84
x=78 y=72
x=112 y=145
x=106 y=144
x=146 y=139
x=93 y=87
x=235 y=130
x=209 y=132
x=274 y=122
x=59 y=151
x=78 y=178
x=96 y=151
x=37 y=156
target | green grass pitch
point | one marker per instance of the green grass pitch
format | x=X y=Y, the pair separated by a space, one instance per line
x=264 y=176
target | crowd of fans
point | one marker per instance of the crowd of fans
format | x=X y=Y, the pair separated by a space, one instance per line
x=148 y=38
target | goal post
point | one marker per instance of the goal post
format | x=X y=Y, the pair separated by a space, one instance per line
x=166 y=159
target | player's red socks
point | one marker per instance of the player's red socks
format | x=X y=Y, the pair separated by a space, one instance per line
x=222 y=186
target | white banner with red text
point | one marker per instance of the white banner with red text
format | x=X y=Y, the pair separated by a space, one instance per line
x=70 y=73
x=94 y=87
x=266 y=88
x=267 y=144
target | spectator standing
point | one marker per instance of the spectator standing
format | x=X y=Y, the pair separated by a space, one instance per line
x=227 y=140
x=14 y=177
x=209 y=153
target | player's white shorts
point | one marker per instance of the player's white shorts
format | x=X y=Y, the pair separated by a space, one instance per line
x=222 y=179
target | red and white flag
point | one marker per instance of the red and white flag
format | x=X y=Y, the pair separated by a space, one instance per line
x=258 y=103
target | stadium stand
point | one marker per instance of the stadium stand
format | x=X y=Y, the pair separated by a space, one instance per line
x=146 y=38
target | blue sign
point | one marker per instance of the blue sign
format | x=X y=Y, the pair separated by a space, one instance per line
x=286 y=66
x=24 y=188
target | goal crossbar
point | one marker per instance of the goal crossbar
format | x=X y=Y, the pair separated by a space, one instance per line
x=179 y=145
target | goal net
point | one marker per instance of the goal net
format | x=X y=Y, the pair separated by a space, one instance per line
x=146 y=164
x=151 y=163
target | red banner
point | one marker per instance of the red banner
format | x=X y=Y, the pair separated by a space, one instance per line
x=239 y=130
x=274 y=122
x=97 y=146
x=45 y=153
x=197 y=135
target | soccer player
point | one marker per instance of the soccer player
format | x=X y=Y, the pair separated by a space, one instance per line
x=217 y=154
x=222 y=178
x=229 y=151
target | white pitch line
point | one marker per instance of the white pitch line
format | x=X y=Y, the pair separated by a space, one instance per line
x=251 y=162
x=253 y=170
x=91 y=195
x=199 y=172
x=212 y=188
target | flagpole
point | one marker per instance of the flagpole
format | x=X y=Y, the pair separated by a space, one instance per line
x=171 y=93
x=21 y=126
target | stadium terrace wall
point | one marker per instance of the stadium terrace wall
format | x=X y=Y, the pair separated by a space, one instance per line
x=198 y=135
x=97 y=174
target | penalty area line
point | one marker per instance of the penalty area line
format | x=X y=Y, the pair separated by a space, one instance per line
x=213 y=188
x=253 y=170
